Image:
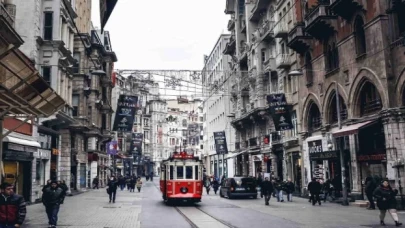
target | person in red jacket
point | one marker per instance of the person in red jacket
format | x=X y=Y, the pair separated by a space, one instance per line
x=12 y=207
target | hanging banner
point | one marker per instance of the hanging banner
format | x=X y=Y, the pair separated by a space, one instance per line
x=124 y=117
x=280 y=111
x=136 y=143
x=220 y=142
x=112 y=148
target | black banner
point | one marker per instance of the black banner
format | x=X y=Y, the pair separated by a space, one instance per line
x=126 y=110
x=136 y=144
x=220 y=142
x=280 y=111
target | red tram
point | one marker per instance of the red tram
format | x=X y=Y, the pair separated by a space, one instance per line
x=181 y=178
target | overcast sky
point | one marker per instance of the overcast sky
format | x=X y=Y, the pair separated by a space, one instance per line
x=163 y=34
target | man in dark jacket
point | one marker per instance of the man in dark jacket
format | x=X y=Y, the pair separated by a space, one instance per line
x=267 y=190
x=314 y=188
x=289 y=189
x=48 y=184
x=12 y=207
x=52 y=198
x=95 y=182
x=112 y=188
x=369 y=189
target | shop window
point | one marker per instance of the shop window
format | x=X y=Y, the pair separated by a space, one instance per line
x=314 y=118
x=370 y=100
x=333 y=115
x=360 y=36
x=308 y=68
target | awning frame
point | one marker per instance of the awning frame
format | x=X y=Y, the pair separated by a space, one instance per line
x=352 y=129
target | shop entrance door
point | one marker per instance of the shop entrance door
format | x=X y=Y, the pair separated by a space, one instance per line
x=83 y=172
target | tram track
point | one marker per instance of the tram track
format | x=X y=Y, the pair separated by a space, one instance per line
x=195 y=216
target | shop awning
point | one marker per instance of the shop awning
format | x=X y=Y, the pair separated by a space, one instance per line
x=23 y=142
x=352 y=129
x=234 y=154
x=23 y=91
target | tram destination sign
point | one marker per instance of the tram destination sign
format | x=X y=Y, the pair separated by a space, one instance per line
x=220 y=142
x=126 y=109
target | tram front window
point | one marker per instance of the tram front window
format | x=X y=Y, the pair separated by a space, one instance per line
x=196 y=172
x=171 y=172
x=189 y=172
x=180 y=172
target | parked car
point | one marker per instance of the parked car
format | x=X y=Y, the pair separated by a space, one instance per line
x=238 y=186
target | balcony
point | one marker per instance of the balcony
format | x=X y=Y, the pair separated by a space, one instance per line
x=298 y=40
x=230 y=46
x=242 y=24
x=258 y=9
x=346 y=8
x=253 y=142
x=243 y=50
x=234 y=90
x=281 y=30
x=283 y=61
x=320 y=22
x=270 y=64
x=106 y=134
x=231 y=24
x=266 y=31
x=237 y=146
x=7 y=31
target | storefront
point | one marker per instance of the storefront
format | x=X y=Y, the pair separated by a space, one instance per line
x=18 y=156
x=42 y=171
x=257 y=164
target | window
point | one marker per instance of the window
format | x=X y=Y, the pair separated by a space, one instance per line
x=308 y=68
x=314 y=118
x=171 y=172
x=48 y=25
x=294 y=131
x=75 y=104
x=360 y=36
x=201 y=147
x=46 y=74
x=189 y=172
x=76 y=64
x=180 y=172
x=370 y=100
x=89 y=114
x=263 y=55
x=103 y=121
x=333 y=115
x=331 y=55
x=146 y=134
x=196 y=174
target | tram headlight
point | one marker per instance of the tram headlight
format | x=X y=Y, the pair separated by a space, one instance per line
x=183 y=190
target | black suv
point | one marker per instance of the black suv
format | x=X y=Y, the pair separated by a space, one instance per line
x=238 y=186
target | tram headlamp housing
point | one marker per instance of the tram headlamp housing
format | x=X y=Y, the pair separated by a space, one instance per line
x=183 y=190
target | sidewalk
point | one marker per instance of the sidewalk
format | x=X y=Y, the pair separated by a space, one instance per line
x=91 y=209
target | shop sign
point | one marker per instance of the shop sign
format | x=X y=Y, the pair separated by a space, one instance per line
x=316 y=151
x=18 y=147
x=372 y=157
x=18 y=155
x=43 y=154
x=55 y=151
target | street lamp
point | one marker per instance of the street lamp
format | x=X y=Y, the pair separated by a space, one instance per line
x=98 y=72
x=295 y=73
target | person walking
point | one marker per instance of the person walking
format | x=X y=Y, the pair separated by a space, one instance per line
x=289 y=189
x=112 y=189
x=132 y=184
x=207 y=185
x=314 y=188
x=52 y=199
x=386 y=201
x=48 y=184
x=371 y=185
x=139 y=184
x=215 y=185
x=12 y=207
x=95 y=182
x=267 y=190
x=151 y=176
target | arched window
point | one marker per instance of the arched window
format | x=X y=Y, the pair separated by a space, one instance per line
x=359 y=36
x=308 y=68
x=333 y=114
x=331 y=53
x=314 y=118
x=369 y=100
x=398 y=19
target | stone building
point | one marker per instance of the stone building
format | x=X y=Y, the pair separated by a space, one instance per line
x=217 y=106
x=351 y=56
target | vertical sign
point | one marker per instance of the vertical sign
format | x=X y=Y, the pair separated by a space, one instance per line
x=136 y=144
x=124 y=117
x=112 y=148
x=220 y=142
x=280 y=111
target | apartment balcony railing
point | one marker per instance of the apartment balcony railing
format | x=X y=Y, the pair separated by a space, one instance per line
x=281 y=30
x=267 y=31
x=283 y=61
x=253 y=142
x=230 y=46
x=237 y=146
x=275 y=138
x=371 y=106
x=320 y=21
x=231 y=24
x=346 y=8
x=6 y=16
x=243 y=50
x=270 y=64
x=298 y=40
x=252 y=73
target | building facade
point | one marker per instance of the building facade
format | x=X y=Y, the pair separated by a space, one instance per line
x=217 y=107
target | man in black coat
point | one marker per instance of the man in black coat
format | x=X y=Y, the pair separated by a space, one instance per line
x=112 y=188
x=267 y=190
x=52 y=198
x=369 y=189
x=314 y=188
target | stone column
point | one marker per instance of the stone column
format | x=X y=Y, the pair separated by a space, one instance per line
x=355 y=167
x=65 y=156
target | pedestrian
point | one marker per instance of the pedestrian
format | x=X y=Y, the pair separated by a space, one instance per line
x=95 y=182
x=314 y=188
x=52 y=199
x=386 y=201
x=279 y=185
x=327 y=188
x=207 y=185
x=371 y=185
x=267 y=189
x=132 y=184
x=151 y=176
x=48 y=184
x=139 y=184
x=121 y=181
x=12 y=207
x=112 y=188
x=215 y=185
x=289 y=189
